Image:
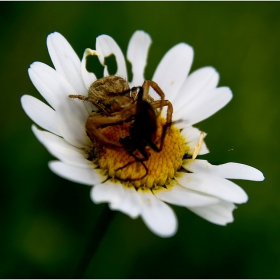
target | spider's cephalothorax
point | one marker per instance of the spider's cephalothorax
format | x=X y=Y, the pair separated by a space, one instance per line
x=116 y=104
x=109 y=94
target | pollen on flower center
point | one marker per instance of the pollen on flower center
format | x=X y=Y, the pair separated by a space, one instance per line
x=161 y=165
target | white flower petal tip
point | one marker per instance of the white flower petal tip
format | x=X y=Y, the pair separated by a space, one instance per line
x=107 y=192
x=55 y=89
x=204 y=105
x=219 y=214
x=66 y=61
x=55 y=34
x=199 y=81
x=137 y=53
x=105 y=46
x=62 y=150
x=213 y=186
x=119 y=197
x=40 y=113
x=157 y=215
x=173 y=70
x=86 y=176
x=230 y=170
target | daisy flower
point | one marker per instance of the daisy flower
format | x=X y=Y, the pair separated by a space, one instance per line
x=174 y=175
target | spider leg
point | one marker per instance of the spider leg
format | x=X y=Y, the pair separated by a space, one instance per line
x=158 y=104
x=144 y=94
x=132 y=91
x=89 y=99
x=97 y=121
x=156 y=88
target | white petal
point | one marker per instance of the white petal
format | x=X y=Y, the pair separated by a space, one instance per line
x=157 y=215
x=66 y=61
x=192 y=134
x=86 y=176
x=130 y=203
x=40 y=113
x=107 y=192
x=220 y=214
x=173 y=70
x=105 y=46
x=71 y=114
x=137 y=53
x=204 y=106
x=60 y=149
x=51 y=85
x=183 y=197
x=181 y=124
x=120 y=198
x=212 y=185
x=88 y=77
x=230 y=170
x=71 y=120
x=43 y=78
x=202 y=80
x=106 y=72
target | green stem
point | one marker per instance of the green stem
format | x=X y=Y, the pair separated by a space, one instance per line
x=98 y=233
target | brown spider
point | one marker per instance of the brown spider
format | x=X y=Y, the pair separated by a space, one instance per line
x=117 y=103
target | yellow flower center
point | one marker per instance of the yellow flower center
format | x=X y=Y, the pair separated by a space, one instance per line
x=161 y=165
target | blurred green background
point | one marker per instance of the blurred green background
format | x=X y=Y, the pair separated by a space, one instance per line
x=46 y=221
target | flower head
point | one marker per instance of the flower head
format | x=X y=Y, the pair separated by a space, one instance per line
x=135 y=178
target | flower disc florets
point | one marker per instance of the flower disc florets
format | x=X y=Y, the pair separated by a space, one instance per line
x=161 y=165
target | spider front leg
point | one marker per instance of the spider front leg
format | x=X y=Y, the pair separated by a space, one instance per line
x=156 y=88
x=94 y=122
x=162 y=103
x=94 y=101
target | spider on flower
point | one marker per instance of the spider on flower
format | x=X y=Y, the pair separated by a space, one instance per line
x=116 y=103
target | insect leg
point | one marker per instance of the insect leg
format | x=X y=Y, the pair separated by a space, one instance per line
x=153 y=145
x=134 y=161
